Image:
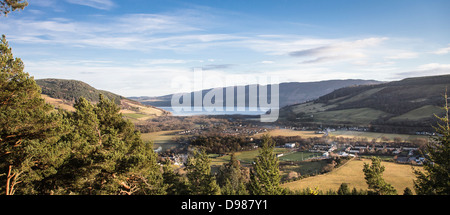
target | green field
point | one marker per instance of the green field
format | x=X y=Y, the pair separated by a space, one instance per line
x=356 y=116
x=245 y=157
x=299 y=156
x=135 y=115
x=163 y=139
x=303 y=168
x=424 y=112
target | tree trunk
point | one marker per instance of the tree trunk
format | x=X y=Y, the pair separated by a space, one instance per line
x=11 y=183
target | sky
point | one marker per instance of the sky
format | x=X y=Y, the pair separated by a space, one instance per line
x=139 y=47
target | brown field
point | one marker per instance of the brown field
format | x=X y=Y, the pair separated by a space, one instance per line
x=142 y=113
x=290 y=133
x=376 y=136
x=399 y=175
x=59 y=103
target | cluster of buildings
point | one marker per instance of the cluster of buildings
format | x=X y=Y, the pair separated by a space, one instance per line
x=229 y=129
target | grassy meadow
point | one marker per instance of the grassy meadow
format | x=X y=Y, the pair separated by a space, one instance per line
x=399 y=175
x=245 y=157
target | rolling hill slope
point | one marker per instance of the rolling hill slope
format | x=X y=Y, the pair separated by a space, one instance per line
x=63 y=94
x=290 y=93
x=409 y=102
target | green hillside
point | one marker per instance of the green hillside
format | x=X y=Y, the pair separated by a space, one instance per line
x=289 y=93
x=71 y=90
x=63 y=94
x=409 y=102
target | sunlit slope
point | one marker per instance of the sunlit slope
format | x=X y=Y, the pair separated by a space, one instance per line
x=63 y=94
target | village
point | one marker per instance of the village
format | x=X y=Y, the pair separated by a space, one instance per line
x=324 y=147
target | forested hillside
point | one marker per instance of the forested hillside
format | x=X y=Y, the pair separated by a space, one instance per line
x=71 y=90
x=410 y=102
x=289 y=93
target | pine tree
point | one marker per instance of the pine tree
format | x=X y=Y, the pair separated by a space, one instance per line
x=198 y=172
x=407 y=192
x=344 y=189
x=29 y=129
x=108 y=156
x=265 y=176
x=231 y=178
x=7 y=6
x=175 y=183
x=435 y=180
x=374 y=178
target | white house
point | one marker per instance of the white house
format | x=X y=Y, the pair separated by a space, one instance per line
x=289 y=145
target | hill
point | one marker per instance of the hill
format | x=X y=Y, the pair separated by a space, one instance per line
x=63 y=94
x=290 y=93
x=71 y=90
x=411 y=102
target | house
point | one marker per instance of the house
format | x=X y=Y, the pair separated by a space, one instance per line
x=321 y=147
x=397 y=151
x=416 y=160
x=402 y=159
x=332 y=148
x=345 y=154
x=289 y=145
x=354 y=151
x=360 y=147
x=410 y=148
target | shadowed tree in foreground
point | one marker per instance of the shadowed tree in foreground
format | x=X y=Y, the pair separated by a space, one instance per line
x=435 y=180
x=7 y=6
x=374 y=178
x=29 y=128
x=265 y=175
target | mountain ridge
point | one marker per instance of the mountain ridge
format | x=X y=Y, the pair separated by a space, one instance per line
x=289 y=92
x=411 y=102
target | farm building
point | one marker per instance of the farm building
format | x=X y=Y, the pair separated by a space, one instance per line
x=289 y=145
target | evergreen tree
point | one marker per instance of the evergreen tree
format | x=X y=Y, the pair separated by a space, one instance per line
x=7 y=6
x=107 y=154
x=407 y=192
x=231 y=178
x=344 y=189
x=29 y=129
x=198 y=172
x=175 y=183
x=265 y=176
x=435 y=180
x=374 y=178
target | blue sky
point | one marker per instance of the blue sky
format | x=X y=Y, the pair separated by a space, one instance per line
x=137 y=47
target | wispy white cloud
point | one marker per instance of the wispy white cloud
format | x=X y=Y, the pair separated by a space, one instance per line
x=403 y=55
x=98 y=4
x=166 y=45
x=443 y=51
x=339 y=50
x=426 y=70
x=144 y=32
